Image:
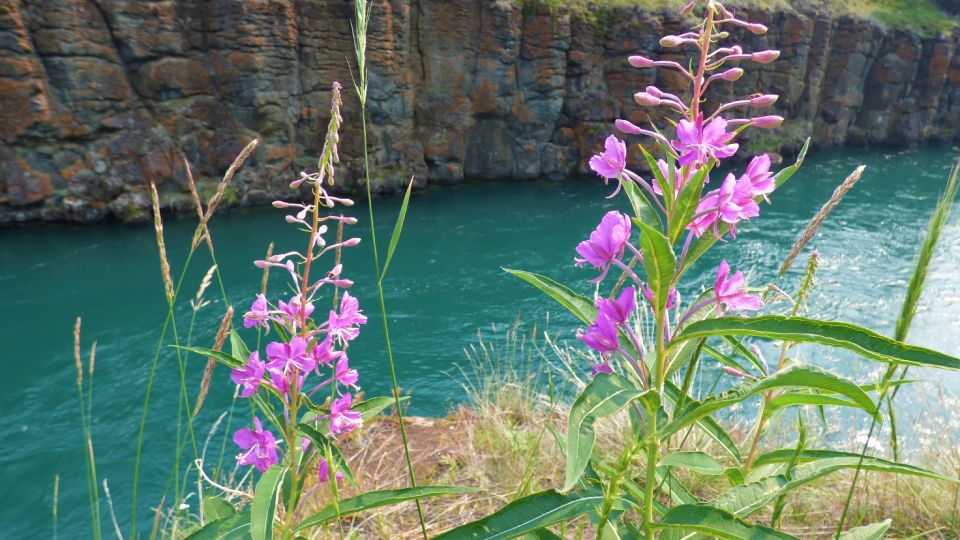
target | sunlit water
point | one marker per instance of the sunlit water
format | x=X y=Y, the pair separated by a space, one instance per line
x=444 y=283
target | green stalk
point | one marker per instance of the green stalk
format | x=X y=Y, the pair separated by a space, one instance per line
x=653 y=449
x=360 y=41
x=937 y=222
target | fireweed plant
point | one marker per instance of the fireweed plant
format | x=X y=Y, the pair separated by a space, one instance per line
x=650 y=340
x=301 y=388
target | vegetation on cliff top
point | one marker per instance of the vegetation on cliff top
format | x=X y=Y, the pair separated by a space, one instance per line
x=924 y=16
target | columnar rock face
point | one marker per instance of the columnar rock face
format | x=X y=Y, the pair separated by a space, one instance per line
x=98 y=98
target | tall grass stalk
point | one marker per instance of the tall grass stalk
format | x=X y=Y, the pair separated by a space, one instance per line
x=56 y=500
x=93 y=490
x=912 y=300
x=360 y=85
x=200 y=233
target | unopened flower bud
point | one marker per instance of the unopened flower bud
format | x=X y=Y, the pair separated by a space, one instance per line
x=766 y=122
x=645 y=99
x=343 y=283
x=734 y=372
x=668 y=42
x=350 y=220
x=731 y=74
x=765 y=57
x=722 y=35
x=654 y=91
x=688 y=8
x=638 y=61
x=756 y=28
x=351 y=242
x=625 y=126
x=764 y=100
x=281 y=204
x=291 y=219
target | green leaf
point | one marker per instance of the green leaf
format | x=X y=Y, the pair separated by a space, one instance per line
x=233 y=527
x=644 y=211
x=867 y=532
x=709 y=426
x=529 y=514
x=661 y=180
x=717 y=523
x=264 y=505
x=659 y=261
x=238 y=349
x=370 y=408
x=215 y=508
x=790 y=399
x=704 y=243
x=698 y=462
x=397 y=228
x=322 y=444
x=376 y=499
x=797 y=375
x=604 y=396
x=687 y=203
x=581 y=306
x=862 y=341
x=219 y=356
x=813 y=464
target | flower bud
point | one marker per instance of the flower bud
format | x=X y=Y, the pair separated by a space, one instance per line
x=645 y=99
x=351 y=242
x=731 y=74
x=722 y=35
x=764 y=100
x=766 y=122
x=765 y=57
x=756 y=28
x=292 y=219
x=734 y=372
x=625 y=126
x=281 y=204
x=654 y=91
x=638 y=61
x=668 y=42
x=687 y=9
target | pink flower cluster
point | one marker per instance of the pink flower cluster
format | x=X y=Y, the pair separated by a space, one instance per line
x=701 y=140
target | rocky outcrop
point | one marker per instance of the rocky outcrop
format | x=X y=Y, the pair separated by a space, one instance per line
x=100 y=97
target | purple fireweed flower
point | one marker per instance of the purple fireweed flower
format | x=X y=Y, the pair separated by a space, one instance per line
x=761 y=179
x=698 y=144
x=679 y=180
x=731 y=203
x=672 y=297
x=285 y=357
x=285 y=382
x=259 y=314
x=601 y=336
x=612 y=161
x=343 y=374
x=250 y=375
x=292 y=310
x=344 y=325
x=618 y=310
x=323 y=353
x=730 y=291
x=323 y=472
x=602 y=367
x=606 y=243
x=259 y=445
x=342 y=418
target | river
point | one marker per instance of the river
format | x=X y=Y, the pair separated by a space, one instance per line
x=444 y=284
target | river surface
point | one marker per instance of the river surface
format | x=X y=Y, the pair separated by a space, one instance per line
x=444 y=284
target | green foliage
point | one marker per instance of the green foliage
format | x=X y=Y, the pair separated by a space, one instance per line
x=377 y=499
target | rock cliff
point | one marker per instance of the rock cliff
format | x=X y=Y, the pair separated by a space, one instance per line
x=100 y=97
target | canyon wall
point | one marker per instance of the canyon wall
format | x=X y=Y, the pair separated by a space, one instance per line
x=100 y=97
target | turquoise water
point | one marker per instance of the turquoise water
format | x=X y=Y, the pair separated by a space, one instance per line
x=444 y=284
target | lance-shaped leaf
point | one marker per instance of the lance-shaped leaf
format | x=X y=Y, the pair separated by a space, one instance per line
x=709 y=426
x=814 y=464
x=698 y=462
x=858 y=339
x=642 y=209
x=790 y=399
x=397 y=229
x=529 y=514
x=233 y=527
x=705 y=242
x=659 y=262
x=581 y=306
x=323 y=444
x=717 y=523
x=377 y=499
x=264 y=505
x=604 y=396
x=238 y=349
x=219 y=356
x=795 y=376
x=687 y=203
x=867 y=532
